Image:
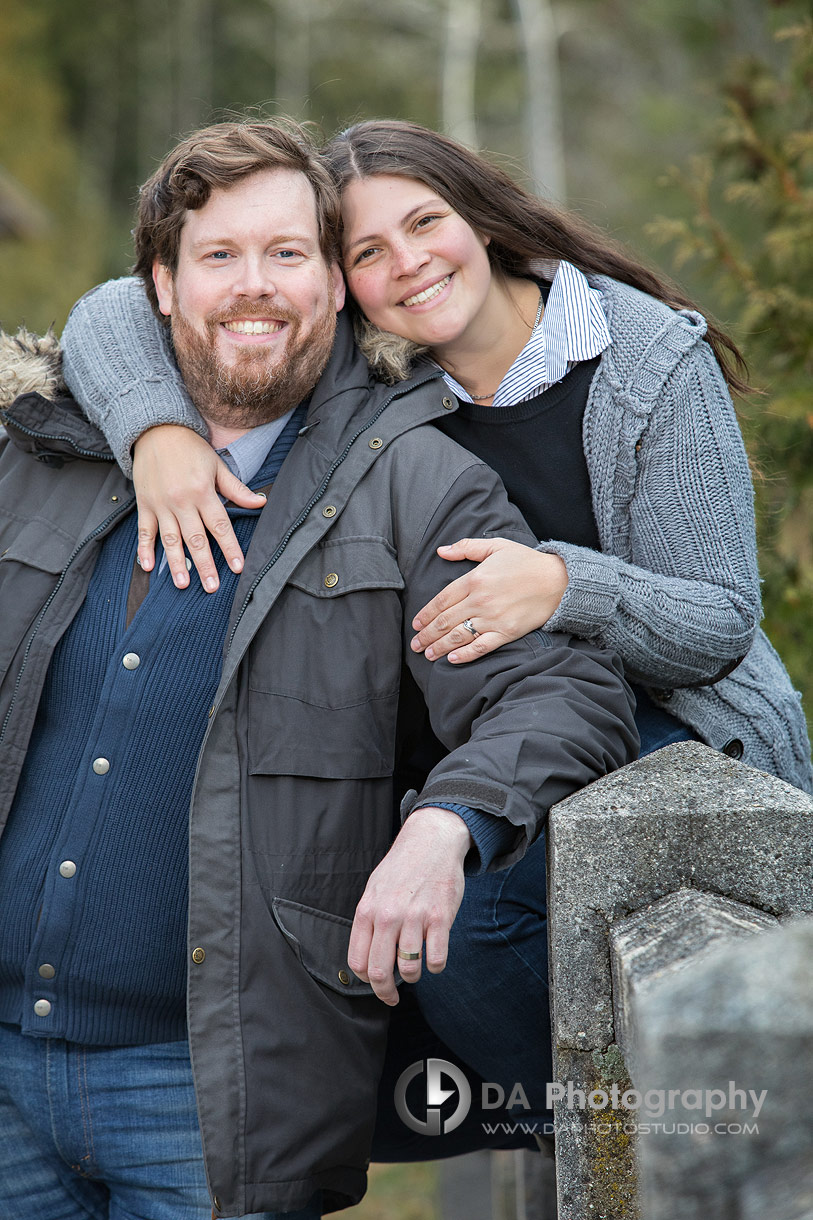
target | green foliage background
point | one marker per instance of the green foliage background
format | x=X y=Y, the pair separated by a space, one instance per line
x=93 y=93
x=750 y=230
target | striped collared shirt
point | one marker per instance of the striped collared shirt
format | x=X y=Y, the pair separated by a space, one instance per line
x=573 y=328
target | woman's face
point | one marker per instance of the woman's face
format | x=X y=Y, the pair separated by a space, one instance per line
x=414 y=265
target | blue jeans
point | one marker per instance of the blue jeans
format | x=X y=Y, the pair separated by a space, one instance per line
x=488 y=1011
x=109 y=1133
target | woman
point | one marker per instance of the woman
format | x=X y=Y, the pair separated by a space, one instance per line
x=600 y=397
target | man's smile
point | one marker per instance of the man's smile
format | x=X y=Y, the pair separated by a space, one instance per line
x=254 y=326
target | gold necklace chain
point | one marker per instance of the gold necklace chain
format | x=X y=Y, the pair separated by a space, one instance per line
x=482 y=397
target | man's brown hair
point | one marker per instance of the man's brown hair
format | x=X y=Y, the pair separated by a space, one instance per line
x=218 y=157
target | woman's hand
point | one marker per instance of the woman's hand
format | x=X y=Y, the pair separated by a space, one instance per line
x=514 y=590
x=177 y=476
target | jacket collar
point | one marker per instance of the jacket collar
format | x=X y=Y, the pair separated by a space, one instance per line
x=348 y=395
x=54 y=430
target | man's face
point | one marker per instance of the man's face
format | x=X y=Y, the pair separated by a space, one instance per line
x=252 y=302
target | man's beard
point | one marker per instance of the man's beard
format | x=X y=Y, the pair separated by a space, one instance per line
x=258 y=386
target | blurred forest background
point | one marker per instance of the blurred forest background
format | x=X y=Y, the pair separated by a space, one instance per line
x=685 y=127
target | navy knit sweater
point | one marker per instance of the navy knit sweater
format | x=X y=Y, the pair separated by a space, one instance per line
x=93 y=864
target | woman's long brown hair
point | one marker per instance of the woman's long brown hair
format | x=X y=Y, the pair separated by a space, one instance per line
x=523 y=228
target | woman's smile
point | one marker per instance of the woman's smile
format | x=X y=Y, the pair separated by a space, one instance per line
x=426 y=295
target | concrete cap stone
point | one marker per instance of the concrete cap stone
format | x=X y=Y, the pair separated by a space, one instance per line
x=684 y=817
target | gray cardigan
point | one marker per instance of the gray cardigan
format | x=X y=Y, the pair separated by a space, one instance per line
x=675 y=587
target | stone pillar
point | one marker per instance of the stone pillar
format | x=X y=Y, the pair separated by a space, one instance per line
x=660 y=941
x=686 y=817
x=731 y=1040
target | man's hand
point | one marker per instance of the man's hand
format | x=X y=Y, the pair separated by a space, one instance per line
x=411 y=898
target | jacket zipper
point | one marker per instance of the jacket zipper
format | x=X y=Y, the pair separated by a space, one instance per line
x=99 y=530
x=45 y=436
x=316 y=498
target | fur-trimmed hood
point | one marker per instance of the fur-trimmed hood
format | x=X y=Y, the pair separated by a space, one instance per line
x=30 y=364
x=36 y=409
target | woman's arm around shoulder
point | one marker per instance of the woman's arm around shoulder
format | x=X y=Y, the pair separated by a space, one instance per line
x=119 y=366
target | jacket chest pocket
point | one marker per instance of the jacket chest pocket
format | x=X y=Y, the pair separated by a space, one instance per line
x=324 y=669
x=31 y=561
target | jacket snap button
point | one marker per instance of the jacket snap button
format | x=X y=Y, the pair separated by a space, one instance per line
x=344 y=977
x=330 y=580
x=734 y=748
x=198 y=955
x=376 y=442
x=448 y=403
x=329 y=511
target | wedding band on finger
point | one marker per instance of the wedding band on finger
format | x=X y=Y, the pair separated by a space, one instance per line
x=469 y=625
x=408 y=957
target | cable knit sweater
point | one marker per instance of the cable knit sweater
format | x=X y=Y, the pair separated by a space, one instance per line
x=675 y=587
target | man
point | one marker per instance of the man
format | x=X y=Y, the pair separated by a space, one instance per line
x=264 y=720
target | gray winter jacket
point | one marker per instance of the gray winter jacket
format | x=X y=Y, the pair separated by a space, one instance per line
x=675 y=587
x=292 y=802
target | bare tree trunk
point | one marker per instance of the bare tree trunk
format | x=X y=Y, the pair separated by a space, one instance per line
x=154 y=83
x=293 y=55
x=543 y=121
x=98 y=144
x=459 y=70
x=193 y=92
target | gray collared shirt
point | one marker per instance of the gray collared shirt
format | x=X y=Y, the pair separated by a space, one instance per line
x=245 y=456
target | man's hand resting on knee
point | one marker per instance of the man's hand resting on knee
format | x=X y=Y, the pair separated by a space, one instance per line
x=411 y=898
